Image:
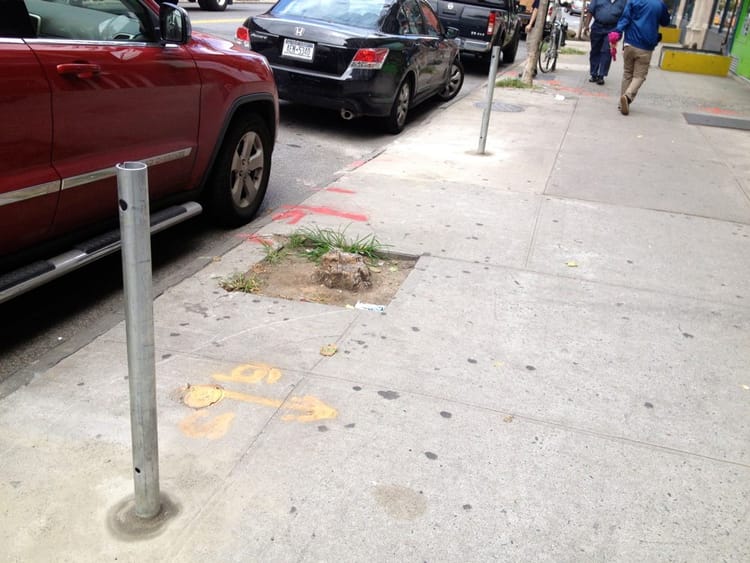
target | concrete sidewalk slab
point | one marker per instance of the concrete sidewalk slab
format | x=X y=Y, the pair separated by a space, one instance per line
x=562 y=377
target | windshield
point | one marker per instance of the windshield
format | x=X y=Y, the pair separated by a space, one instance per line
x=361 y=13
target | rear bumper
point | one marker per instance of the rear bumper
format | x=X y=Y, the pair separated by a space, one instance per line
x=362 y=92
x=474 y=45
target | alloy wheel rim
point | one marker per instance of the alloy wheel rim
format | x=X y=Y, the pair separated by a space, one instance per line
x=454 y=80
x=247 y=169
x=403 y=104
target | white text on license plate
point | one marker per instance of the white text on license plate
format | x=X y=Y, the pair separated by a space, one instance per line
x=298 y=49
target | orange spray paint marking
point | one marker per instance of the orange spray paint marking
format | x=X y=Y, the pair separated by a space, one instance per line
x=251 y=373
x=294 y=214
x=195 y=426
x=312 y=408
x=201 y=397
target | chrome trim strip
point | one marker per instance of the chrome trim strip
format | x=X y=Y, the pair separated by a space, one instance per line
x=80 y=180
x=23 y=194
x=90 y=42
x=168 y=157
x=74 y=259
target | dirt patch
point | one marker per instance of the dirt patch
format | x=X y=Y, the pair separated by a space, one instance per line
x=292 y=275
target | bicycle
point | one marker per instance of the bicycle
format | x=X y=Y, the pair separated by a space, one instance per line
x=551 y=42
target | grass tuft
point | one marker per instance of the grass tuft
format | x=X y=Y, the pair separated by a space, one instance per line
x=315 y=242
x=240 y=282
x=571 y=51
x=511 y=83
x=274 y=255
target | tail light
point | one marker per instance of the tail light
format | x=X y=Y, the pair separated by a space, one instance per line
x=491 y=23
x=242 y=36
x=369 y=58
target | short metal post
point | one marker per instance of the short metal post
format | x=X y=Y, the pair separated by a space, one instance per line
x=132 y=190
x=490 y=90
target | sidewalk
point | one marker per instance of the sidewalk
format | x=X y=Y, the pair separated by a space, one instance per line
x=563 y=377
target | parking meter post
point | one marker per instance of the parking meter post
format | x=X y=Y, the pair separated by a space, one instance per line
x=490 y=91
x=135 y=232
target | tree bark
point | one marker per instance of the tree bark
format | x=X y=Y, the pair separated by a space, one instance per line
x=533 y=40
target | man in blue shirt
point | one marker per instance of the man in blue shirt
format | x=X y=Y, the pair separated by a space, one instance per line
x=605 y=14
x=640 y=21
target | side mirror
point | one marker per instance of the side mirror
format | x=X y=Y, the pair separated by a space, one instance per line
x=174 y=24
x=451 y=33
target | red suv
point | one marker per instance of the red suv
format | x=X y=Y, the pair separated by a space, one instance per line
x=87 y=84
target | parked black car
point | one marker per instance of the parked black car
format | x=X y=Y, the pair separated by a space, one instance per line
x=360 y=57
x=483 y=24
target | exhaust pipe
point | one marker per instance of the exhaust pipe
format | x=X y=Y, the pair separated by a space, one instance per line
x=346 y=114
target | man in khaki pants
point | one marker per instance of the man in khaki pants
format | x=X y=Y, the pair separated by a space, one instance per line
x=640 y=22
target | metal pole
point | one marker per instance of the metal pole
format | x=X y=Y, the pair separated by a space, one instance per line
x=132 y=190
x=490 y=90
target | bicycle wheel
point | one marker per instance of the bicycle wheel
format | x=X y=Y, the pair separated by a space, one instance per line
x=548 y=52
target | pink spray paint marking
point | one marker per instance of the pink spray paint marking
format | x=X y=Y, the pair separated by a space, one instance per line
x=717 y=111
x=254 y=238
x=340 y=190
x=578 y=91
x=293 y=214
x=356 y=164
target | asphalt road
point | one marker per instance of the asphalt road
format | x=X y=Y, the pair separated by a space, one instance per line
x=46 y=325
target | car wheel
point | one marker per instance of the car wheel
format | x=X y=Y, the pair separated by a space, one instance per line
x=396 y=120
x=509 y=53
x=213 y=5
x=455 y=81
x=240 y=175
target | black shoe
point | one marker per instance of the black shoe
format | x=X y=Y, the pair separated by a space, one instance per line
x=600 y=80
x=593 y=78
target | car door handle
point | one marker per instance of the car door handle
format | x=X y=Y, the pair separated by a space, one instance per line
x=81 y=70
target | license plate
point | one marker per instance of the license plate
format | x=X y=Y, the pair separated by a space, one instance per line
x=298 y=49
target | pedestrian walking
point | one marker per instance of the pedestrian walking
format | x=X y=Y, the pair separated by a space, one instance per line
x=640 y=23
x=605 y=14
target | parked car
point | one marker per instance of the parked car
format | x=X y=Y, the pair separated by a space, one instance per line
x=575 y=7
x=209 y=5
x=359 y=57
x=482 y=25
x=91 y=84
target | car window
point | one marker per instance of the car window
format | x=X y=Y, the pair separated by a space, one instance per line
x=431 y=21
x=15 y=21
x=368 y=14
x=90 y=20
x=410 y=18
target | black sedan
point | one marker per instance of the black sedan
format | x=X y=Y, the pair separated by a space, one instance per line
x=359 y=57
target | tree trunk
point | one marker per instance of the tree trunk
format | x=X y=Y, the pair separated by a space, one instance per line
x=533 y=40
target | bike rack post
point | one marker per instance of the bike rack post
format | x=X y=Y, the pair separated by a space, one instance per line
x=132 y=192
x=490 y=91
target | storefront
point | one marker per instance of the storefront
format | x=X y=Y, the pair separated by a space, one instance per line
x=741 y=44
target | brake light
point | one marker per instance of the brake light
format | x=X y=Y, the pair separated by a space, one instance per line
x=369 y=58
x=491 y=23
x=242 y=36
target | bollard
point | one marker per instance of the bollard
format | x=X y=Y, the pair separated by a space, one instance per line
x=135 y=230
x=490 y=90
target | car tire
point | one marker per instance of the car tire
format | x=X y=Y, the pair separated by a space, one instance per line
x=213 y=5
x=396 y=119
x=509 y=53
x=239 y=178
x=455 y=81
